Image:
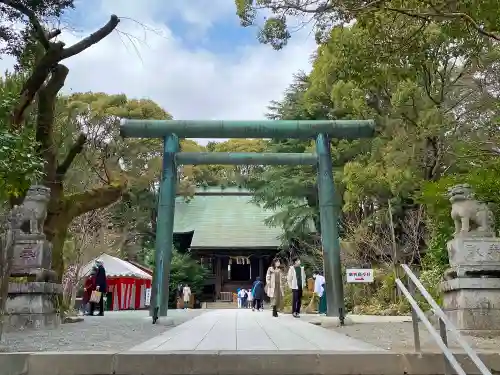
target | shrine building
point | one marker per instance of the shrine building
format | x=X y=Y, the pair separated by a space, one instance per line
x=226 y=232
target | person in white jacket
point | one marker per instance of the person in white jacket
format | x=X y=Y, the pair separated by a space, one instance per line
x=186 y=295
x=296 y=281
x=319 y=290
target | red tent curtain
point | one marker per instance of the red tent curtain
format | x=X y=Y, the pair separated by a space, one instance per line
x=128 y=293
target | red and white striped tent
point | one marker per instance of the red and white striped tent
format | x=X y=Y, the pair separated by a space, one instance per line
x=126 y=282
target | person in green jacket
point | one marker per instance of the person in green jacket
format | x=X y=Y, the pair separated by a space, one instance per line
x=319 y=290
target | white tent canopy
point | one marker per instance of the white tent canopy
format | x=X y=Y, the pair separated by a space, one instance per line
x=115 y=267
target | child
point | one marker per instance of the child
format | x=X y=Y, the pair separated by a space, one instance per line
x=240 y=297
x=249 y=300
x=244 y=299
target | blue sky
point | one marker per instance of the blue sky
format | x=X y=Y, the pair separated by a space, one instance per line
x=190 y=56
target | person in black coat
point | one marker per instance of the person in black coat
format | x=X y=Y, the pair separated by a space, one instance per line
x=100 y=286
x=257 y=293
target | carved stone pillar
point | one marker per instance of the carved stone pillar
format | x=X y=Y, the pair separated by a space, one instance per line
x=32 y=304
x=471 y=290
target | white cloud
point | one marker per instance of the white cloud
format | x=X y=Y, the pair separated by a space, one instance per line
x=189 y=83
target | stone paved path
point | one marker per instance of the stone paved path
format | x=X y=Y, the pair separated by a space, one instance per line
x=248 y=330
x=115 y=331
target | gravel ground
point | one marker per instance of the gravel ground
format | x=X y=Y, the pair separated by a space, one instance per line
x=115 y=331
x=399 y=336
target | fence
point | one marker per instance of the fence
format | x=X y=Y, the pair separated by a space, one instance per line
x=445 y=325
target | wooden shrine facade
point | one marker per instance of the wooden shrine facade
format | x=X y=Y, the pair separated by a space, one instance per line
x=226 y=232
x=228 y=272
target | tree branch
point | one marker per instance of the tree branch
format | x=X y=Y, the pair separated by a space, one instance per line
x=426 y=15
x=55 y=52
x=52 y=34
x=94 y=199
x=75 y=150
x=92 y=39
x=36 y=81
x=332 y=6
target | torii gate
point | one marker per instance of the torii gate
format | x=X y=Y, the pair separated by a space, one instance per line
x=329 y=204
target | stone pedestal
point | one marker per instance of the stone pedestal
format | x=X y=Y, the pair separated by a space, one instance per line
x=32 y=305
x=32 y=256
x=471 y=295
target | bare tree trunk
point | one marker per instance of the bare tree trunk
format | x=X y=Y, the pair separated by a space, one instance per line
x=75 y=282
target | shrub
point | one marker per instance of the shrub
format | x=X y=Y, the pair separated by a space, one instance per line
x=287 y=300
x=377 y=298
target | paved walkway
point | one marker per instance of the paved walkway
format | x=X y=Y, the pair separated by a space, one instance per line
x=248 y=330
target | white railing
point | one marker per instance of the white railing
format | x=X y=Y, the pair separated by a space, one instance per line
x=445 y=325
x=226 y=296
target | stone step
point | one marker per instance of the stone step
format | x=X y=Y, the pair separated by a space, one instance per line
x=221 y=305
x=234 y=363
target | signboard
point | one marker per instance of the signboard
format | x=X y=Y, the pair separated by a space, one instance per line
x=147 y=302
x=359 y=275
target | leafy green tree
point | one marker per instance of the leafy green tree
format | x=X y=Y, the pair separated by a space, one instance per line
x=84 y=179
x=465 y=19
x=19 y=163
x=431 y=105
x=289 y=190
x=184 y=270
x=292 y=190
x=228 y=175
x=428 y=74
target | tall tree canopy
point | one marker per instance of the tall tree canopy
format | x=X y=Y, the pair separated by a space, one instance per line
x=456 y=18
x=432 y=89
x=95 y=176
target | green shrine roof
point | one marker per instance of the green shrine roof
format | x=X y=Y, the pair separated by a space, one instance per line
x=225 y=218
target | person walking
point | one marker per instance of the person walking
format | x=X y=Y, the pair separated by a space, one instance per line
x=319 y=290
x=178 y=296
x=296 y=281
x=244 y=298
x=274 y=285
x=100 y=286
x=186 y=295
x=257 y=294
x=88 y=287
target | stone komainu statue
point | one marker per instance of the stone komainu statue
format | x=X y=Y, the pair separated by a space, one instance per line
x=28 y=222
x=33 y=211
x=469 y=215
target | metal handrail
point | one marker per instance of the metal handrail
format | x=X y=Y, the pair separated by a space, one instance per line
x=444 y=325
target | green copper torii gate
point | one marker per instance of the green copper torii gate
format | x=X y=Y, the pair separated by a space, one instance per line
x=329 y=204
